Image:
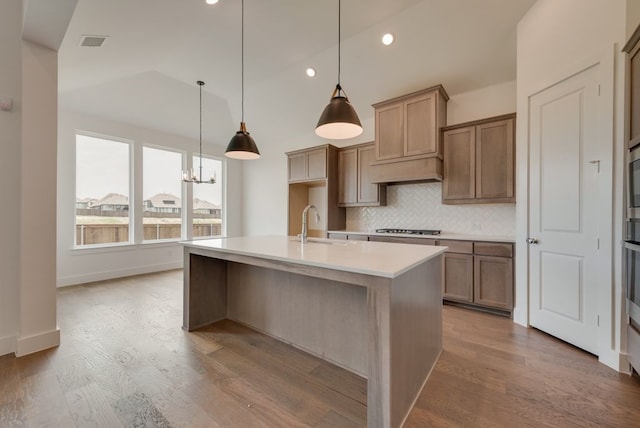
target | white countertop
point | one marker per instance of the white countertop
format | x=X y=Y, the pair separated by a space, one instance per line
x=371 y=258
x=452 y=236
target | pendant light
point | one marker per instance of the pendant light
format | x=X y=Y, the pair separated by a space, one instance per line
x=339 y=119
x=242 y=145
x=189 y=176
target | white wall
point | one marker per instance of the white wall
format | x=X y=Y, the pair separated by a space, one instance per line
x=553 y=38
x=491 y=101
x=85 y=265
x=10 y=141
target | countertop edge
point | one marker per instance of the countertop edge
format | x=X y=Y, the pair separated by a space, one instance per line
x=200 y=244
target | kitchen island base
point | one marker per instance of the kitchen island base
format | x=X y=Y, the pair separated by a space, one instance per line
x=387 y=329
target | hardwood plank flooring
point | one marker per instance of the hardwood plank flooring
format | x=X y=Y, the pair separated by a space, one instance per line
x=124 y=361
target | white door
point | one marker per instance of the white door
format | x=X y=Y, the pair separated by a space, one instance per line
x=563 y=209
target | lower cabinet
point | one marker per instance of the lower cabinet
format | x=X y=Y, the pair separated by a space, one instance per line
x=484 y=278
x=476 y=273
x=458 y=277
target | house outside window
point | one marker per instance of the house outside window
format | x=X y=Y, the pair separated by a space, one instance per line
x=162 y=193
x=207 y=198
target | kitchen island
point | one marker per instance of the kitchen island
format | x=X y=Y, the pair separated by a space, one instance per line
x=373 y=308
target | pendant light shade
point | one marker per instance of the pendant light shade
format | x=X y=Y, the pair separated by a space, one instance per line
x=242 y=146
x=339 y=119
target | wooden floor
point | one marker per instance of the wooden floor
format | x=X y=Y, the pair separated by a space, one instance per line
x=124 y=361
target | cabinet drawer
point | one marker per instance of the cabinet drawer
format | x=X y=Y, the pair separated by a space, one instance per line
x=357 y=237
x=464 y=247
x=493 y=249
x=342 y=236
x=420 y=241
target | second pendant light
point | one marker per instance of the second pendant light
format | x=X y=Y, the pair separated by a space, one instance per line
x=339 y=119
x=242 y=145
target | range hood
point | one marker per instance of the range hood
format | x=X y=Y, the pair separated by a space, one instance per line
x=407 y=170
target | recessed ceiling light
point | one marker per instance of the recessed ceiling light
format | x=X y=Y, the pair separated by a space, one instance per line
x=311 y=72
x=211 y=1
x=387 y=39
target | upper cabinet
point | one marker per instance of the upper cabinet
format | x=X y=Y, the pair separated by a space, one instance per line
x=407 y=144
x=479 y=161
x=313 y=180
x=354 y=172
x=308 y=164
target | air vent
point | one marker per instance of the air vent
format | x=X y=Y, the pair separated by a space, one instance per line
x=92 y=41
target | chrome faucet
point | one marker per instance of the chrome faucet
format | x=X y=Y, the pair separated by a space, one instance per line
x=303 y=235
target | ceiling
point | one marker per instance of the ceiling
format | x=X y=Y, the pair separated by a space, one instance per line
x=146 y=70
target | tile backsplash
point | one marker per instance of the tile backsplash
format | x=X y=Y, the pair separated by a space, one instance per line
x=419 y=206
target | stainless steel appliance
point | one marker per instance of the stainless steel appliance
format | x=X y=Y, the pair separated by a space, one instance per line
x=632 y=254
x=632 y=269
x=409 y=231
x=633 y=183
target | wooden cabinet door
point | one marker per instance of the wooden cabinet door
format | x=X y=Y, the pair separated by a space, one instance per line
x=297 y=167
x=390 y=131
x=495 y=161
x=459 y=162
x=316 y=164
x=420 y=129
x=493 y=282
x=348 y=176
x=367 y=191
x=458 y=277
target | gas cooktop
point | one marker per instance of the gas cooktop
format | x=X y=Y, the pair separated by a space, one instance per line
x=410 y=231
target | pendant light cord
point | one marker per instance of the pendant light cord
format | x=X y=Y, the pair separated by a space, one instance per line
x=339 y=44
x=242 y=61
x=200 y=83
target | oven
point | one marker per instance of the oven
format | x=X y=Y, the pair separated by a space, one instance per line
x=633 y=183
x=632 y=272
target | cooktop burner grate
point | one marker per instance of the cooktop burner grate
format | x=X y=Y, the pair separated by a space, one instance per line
x=410 y=231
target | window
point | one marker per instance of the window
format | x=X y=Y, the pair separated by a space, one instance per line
x=207 y=199
x=162 y=194
x=102 y=191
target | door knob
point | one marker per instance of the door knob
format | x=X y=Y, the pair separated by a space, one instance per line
x=532 y=241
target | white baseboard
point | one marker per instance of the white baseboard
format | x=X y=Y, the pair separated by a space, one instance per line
x=37 y=342
x=112 y=274
x=7 y=345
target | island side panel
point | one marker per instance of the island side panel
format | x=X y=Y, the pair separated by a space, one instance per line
x=416 y=334
x=205 y=290
x=405 y=340
x=324 y=317
x=379 y=360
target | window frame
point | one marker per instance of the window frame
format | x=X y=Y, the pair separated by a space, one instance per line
x=136 y=198
x=132 y=209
